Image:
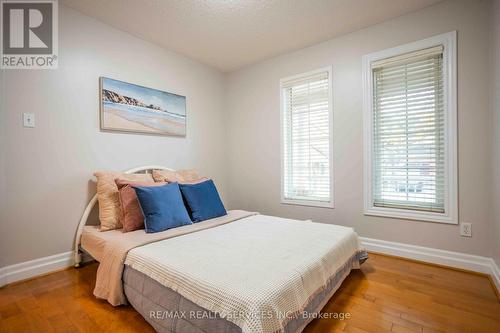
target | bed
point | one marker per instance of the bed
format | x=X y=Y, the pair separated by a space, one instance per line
x=243 y=272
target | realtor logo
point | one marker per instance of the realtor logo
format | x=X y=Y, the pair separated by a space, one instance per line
x=29 y=34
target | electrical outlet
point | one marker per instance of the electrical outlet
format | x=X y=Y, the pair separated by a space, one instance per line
x=28 y=119
x=466 y=229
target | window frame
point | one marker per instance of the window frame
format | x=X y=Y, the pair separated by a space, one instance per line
x=301 y=202
x=450 y=216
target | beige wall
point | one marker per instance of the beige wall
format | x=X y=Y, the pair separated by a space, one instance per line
x=49 y=167
x=254 y=128
x=495 y=90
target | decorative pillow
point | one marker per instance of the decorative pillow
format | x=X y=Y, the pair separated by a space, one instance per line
x=107 y=195
x=131 y=217
x=162 y=207
x=175 y=176
x=203 y=201
x=195 y=181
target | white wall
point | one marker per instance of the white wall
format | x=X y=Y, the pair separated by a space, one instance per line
x=46 y=172
x=49 y=168
x=3 y=130
x=254 y=128
x=495 y=100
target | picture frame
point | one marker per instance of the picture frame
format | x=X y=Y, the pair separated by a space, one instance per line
x=131 y=108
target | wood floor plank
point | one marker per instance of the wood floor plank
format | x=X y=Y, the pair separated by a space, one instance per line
x=386 y=295
x=446 y=296
x=474 y=286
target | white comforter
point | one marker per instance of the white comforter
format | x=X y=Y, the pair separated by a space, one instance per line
x=250 y=268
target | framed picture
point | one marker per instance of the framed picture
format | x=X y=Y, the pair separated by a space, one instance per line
x=127 y=107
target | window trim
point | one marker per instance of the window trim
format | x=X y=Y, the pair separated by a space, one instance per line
x=300 y=202
x=450 y=216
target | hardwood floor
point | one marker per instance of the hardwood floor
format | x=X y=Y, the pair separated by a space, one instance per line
x=387 y=295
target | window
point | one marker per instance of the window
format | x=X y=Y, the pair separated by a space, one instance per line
x=410 y=131
x=306 y=120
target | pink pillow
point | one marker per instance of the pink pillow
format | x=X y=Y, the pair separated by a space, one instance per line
x=109 y=201
x=131 y=217
x=175 y=176
x=194 y=181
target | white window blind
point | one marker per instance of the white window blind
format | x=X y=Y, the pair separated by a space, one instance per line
x=408 y=166
x=306 y=139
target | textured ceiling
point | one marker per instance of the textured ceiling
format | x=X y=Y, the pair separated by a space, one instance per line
x=230 y=34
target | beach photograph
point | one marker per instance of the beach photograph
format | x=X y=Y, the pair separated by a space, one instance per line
x=127 y=107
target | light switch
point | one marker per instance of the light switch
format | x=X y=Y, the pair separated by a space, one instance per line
x=28 y=119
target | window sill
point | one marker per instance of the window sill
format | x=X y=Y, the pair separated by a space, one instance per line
x=410 y=215
x=309 y=203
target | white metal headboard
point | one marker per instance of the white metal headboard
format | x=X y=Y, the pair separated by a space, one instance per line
x=92 y=202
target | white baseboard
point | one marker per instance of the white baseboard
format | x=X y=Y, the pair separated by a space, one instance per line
x=470 y=262
x=36 y=267
x=496 y=275
x=435 y=256
x=28 y=269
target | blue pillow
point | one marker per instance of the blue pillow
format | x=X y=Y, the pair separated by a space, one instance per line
x=162 y=207
x=202 y=200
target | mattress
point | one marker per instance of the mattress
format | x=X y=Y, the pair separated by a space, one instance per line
x=94 y=241
x=196 y=279
x=111 y=248
x=259 y=272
